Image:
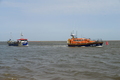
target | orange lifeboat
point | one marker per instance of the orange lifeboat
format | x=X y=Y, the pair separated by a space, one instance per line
x=79 y=42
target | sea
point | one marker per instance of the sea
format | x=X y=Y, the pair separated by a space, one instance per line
x=54 y=60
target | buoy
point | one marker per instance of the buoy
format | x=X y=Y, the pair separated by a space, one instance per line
x=107 y=43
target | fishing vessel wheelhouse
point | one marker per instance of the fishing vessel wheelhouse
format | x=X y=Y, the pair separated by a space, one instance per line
x=83 y=42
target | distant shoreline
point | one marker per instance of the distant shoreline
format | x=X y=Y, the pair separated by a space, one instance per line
x=65 y=41
x=46 y=41
x=59 y=41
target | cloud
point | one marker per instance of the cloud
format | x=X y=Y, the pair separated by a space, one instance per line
x=67 y=6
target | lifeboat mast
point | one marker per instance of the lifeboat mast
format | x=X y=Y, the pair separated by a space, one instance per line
x=74 y=35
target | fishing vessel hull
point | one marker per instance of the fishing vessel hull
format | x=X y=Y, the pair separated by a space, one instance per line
x=17 y=44
x=13 y=44
x=95 y=44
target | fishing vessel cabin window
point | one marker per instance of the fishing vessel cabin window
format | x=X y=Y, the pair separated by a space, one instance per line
x=23 y=40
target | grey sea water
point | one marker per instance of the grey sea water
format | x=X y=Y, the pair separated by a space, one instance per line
x=55 y=61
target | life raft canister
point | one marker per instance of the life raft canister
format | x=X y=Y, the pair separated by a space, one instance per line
x=68 y=41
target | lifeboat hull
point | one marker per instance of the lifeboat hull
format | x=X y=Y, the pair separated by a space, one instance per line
x=95 y=44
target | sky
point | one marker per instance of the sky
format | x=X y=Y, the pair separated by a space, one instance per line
x=54 y=20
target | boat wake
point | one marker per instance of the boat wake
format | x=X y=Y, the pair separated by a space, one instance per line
x=99 y=46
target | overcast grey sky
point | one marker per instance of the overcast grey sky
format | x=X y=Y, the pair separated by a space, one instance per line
x=54 y=20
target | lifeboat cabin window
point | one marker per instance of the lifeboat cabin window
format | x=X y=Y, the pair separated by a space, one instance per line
x=78 y=40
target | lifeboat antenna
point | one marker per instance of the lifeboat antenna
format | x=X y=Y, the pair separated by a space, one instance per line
x=76 y=34
x=73 y=35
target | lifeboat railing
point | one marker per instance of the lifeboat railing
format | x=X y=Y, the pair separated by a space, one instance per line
x=98 y=40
